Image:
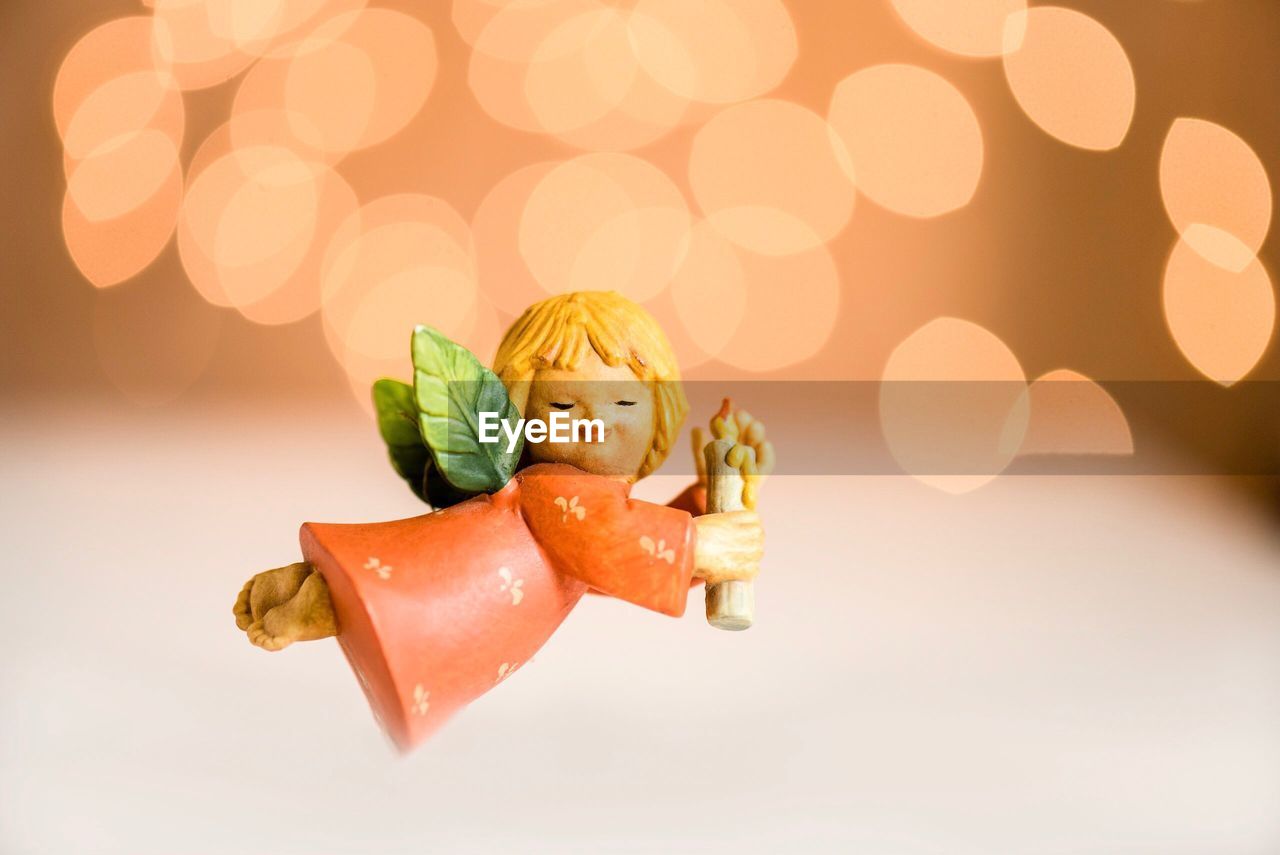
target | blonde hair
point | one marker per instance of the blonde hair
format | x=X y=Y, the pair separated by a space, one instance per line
x=556 y=333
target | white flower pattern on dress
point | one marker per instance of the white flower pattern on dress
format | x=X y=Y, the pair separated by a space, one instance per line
x=505 y=670
x=512 y=583
x=421 y=700
x=383 y=570
x=570 y=507
x=658 y=550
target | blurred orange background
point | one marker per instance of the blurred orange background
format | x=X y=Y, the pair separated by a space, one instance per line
x=1021 y=193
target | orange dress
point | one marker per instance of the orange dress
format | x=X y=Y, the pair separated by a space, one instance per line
x=435 y=610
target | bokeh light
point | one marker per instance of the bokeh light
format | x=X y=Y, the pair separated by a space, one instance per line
x=255 y=221
x=398 y=261
x=400 y=54
x=108 y=252
x=259 y=117
x=370 y=336
x=122 y=174
x=581 y=71
x=1211 y=177
x=486 y=333
x=504 y=276
x=595 y=95
x=310 y=105
x=1070 y=76
x=122 y=124
x=646 y=113
x=273 y=27
x=470 y=17
x=769 y=175
x=504 y=46
x=913 y=140
x=298 y=295
x=568 y=68
x=246 y=23
x=605 y=77
x=608 y=222
x=1071 y=414
x=203 y=43
x=251 y=204
x=353 y=82
x=498 y=87
x=790 y=306
x=708 y=296
x=953 y=405
x=513 y=31
x=186 y=43
x=232 y=234
x=714 y=51
x=124 y=105
x=116 y=49
x=967 y=27
x=1221 y=319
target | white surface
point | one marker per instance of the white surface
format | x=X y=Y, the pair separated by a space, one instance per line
x=1085 y=665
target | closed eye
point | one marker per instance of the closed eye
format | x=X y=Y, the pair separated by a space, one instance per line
x=560 y=406
x=625 y=403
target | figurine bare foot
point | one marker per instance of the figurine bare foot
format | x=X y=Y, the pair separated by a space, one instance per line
x=281 y=606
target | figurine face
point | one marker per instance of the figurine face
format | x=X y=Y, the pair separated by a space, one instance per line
x=595 y=391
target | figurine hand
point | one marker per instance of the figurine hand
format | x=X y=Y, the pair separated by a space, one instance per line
x=728 y=546
x=281 y=606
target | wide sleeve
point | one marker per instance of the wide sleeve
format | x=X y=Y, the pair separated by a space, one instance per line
x=436 y=610
x=590 y=529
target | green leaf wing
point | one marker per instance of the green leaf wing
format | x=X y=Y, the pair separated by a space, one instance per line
x=451 y=388
x=398 y=424
x=440 y=493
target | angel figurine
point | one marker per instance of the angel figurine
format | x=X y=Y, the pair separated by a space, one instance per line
x=435 y=610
